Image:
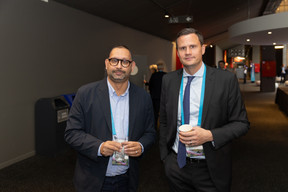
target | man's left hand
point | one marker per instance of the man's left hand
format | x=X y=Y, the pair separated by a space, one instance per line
x=132 y=148
x=197 y=136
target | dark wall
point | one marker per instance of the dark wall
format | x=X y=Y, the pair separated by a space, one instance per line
x=279 y=60
x=268 y=53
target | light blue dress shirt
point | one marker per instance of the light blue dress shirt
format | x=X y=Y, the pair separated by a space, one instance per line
x=120 y=111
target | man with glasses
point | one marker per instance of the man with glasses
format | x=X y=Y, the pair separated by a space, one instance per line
x=110 y=125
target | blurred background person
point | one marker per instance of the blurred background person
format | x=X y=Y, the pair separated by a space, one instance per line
x=154 y=85
x=221 y=65
x=283 y=73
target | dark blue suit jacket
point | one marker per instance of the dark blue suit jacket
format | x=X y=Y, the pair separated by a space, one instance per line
x=89 y=125
x=224 y=114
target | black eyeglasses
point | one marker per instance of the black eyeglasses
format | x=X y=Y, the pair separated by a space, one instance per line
x=114 y=61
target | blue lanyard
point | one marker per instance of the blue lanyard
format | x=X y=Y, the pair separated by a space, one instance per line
x=201 y=99
x=112 y=122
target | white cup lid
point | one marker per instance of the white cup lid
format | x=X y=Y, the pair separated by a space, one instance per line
x=185 y=128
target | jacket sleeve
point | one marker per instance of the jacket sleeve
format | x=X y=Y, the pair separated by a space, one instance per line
x=76 y=134
x=237 y=121
x=163 y=122
x=147 y=139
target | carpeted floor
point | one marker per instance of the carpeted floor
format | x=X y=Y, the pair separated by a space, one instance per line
x=260 y=158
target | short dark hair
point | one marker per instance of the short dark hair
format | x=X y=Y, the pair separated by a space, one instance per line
x=187 y=31
x=221 y=61
x=120 y=46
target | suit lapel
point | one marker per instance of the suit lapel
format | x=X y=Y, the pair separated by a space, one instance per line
x=175 y=96
x=132 y=110
x=105 y=103
x=209 y=86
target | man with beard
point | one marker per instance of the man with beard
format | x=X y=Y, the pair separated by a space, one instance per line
x=110 y=125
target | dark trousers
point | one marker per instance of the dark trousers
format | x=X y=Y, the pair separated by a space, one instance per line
x=119 y=183
x=283 y=77
x=193 y=177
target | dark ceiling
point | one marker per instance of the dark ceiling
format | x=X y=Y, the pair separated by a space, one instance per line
x=212 y=18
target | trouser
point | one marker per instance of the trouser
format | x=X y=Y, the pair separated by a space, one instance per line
x=193 y=177
x=119 y=183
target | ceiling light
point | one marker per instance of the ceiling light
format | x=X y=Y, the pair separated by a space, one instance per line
x=247 y=40
x=279 y=47
x=269 y=32
x=211 y=46
x=166 y=15
x=274 y=43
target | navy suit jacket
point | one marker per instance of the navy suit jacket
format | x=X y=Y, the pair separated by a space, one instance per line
x=224 y=114
x=89 y=125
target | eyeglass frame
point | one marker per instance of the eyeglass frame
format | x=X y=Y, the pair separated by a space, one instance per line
x=109 y=59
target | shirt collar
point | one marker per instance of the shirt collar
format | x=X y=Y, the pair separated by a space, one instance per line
x=199 y=73
x=112 y=90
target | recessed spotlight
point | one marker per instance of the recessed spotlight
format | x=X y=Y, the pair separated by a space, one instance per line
x=279 y=47
x=269 y=32
x=247 y=40
x=274 y=43
x=166 y=15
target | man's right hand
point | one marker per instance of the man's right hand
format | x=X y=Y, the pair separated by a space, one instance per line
x=108 y=148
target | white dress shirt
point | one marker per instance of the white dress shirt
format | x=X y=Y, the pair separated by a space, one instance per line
x=195 y=94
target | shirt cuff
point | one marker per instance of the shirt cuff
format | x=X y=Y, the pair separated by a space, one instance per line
x=99 y=153
x=213 y=143
x=141 y=147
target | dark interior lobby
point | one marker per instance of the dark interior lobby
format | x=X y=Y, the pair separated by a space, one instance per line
x=49 y=48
